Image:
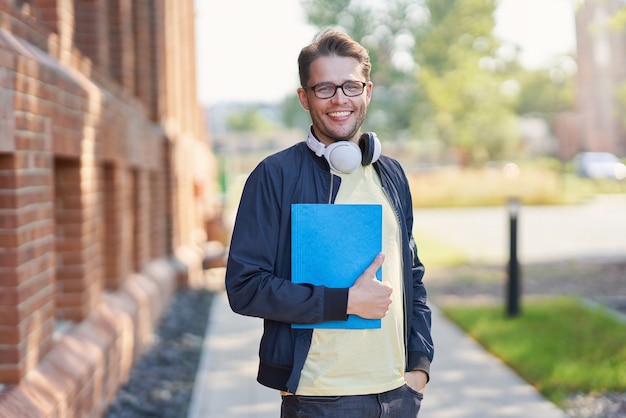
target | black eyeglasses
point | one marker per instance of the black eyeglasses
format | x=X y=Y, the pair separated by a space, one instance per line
x=327 y=90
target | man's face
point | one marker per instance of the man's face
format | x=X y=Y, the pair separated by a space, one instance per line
x=339 y=117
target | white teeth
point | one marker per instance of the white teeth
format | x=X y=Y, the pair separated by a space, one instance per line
x=339 y=114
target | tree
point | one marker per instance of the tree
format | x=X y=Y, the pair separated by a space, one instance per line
x=546 y=91
x=465 y=80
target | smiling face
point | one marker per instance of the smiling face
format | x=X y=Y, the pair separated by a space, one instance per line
x=340 y=117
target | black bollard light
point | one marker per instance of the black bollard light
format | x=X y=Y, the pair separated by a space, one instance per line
x=513 y=284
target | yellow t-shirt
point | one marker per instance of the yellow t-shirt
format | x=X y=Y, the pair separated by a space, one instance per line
x=345 y=362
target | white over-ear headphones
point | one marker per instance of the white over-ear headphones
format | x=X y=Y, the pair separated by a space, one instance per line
x=345 y=156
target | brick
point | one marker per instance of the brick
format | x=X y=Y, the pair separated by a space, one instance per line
x=9 y=316
x=9 y=258
x=10 y=276
x=8 y=239
x=8 y=180
x=9 y=296
x=10 y=335
x=10 y=355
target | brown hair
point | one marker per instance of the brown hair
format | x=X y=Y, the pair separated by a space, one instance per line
x=332 y=42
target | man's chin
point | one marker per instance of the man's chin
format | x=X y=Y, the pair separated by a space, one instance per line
x=342 y=135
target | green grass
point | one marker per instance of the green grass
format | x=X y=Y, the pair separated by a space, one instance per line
x=559 y=345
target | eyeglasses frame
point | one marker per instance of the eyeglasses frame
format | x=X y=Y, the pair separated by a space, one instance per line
x=337 y=87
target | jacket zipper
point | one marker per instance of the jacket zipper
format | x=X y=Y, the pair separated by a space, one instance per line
x=330 y=192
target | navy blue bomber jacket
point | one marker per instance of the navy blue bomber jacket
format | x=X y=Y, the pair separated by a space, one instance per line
x=258 y=273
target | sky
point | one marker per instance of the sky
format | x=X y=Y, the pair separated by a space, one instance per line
x=247 y=49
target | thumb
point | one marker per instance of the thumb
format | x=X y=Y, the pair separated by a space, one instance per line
x=370 y=271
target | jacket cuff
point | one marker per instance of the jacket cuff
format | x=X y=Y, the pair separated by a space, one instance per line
x=335 y=304
x=419 y=361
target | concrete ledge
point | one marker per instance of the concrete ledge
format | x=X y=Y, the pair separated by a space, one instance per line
x=83 y=371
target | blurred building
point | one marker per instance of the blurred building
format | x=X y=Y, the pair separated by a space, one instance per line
x=106 y=185
x=601 y=58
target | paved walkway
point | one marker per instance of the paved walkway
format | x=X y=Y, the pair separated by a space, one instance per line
x=466 y=381
x=546 y=233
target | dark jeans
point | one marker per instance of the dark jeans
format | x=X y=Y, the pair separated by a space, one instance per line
x=403 y=402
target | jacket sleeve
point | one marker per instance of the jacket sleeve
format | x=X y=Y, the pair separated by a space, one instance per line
x=420 y=343
x=258 y=269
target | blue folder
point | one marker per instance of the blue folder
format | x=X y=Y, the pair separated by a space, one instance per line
x=331 y=245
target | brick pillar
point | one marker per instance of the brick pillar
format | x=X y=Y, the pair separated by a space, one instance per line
x=47 y=12
x=144 y=72
x=158 y=230
x=139 y=215
x=117 y=225
x=169 y=189
x=122 y=43
x=58 y=16
x=144 y=218
x=92 y=31
x=157 y=64
x=26 y=263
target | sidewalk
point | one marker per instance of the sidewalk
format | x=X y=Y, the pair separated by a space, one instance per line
x=466 y=382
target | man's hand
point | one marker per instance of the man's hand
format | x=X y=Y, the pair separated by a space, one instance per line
x=369 y=298
x=416 y=380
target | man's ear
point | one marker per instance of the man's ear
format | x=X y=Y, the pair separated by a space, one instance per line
x=304 y=100
x=368 y=89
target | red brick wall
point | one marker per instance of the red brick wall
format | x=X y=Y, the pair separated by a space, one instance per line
x=98 y=120
x=601 y=70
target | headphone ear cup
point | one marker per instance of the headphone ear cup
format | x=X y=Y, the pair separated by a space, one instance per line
x=370 y=148
x=343 y=156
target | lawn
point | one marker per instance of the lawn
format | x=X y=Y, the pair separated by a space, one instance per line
x=560 y=345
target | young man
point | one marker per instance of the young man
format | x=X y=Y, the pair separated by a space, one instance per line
x=333 y=372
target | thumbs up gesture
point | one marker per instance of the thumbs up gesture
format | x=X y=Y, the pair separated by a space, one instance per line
x=368 y=297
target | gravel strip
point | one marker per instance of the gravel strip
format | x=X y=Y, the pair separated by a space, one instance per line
x=161 y=382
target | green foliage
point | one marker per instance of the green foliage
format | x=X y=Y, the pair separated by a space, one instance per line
x=321 y=12
x=294 y=116
x=618 y=20
x=544 y=91
x=463 y=79
x=457 y=31
x=250 y=119
x=559 y=345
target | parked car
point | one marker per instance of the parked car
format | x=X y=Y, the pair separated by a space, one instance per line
x=599 y=165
